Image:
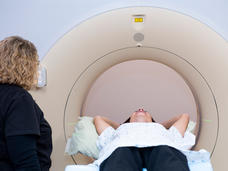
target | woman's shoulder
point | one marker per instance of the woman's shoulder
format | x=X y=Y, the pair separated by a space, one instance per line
x=13 y=92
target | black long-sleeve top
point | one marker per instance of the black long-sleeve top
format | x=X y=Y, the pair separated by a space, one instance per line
x=25 y=135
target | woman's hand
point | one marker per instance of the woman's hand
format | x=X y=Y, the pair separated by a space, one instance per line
x=101 y=123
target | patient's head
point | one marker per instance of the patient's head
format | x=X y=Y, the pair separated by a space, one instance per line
x=140 y=116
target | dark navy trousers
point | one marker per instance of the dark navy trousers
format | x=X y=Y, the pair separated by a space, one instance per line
x=158 y=158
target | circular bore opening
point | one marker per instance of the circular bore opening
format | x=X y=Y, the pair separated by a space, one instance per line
x=130 y=85
x=205 y=103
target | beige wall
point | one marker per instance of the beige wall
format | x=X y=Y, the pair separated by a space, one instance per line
x=130 y=85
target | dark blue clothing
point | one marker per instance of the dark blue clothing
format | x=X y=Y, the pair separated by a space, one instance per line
x=25 y=135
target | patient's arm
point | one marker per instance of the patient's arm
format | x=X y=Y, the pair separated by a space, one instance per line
x=101 y=123
x=180 y=122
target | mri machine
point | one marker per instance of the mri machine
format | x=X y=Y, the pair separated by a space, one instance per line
x=192 y=49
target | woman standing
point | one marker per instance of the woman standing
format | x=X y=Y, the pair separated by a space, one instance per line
x=25 y=135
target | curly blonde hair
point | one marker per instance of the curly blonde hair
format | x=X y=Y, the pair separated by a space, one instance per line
x=18 y=62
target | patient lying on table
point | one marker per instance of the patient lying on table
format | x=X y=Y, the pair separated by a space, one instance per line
x=143 y=143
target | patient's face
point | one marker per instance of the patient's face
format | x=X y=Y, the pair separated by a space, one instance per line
x=140 y=116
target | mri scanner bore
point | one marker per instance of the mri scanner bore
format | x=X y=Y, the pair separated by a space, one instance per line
x=125 y=87
x=134 y=84
x=194 y=51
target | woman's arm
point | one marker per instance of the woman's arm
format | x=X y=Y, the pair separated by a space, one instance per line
x=23 y=152
x=180 y=122
x=101 y=123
